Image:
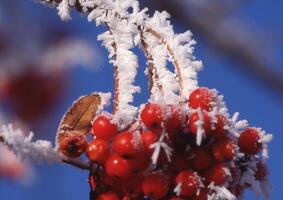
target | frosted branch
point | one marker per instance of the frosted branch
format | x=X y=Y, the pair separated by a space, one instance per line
x=39 y=150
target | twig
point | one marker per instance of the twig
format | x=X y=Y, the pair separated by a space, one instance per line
x=239 y=50
x=150 y=68
x=145 y=29
x=171 y=53
x=80 y=165
x=116 y=75
x=77 y=164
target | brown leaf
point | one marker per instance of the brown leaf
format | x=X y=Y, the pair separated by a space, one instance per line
x=79 y=116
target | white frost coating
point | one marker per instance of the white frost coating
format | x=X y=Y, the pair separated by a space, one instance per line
x=105 y=101
x=64 y=10
x=182 y=47
x=158 y=146
x=166 y=79
x=235 y=126
x=137 y=139
x=200 y=131
x=223 y=193
x=160 y=23
x=127 y=70
x=177 y=189
x=248 y=178
x=118 y=42
x=25 y=148
x=264 y=140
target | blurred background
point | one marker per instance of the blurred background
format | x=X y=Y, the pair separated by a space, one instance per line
x=45 y=64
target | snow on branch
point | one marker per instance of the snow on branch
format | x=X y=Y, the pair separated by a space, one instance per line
x=179 y=47
x=39 y=150
x=166 y=79
x=25 y=148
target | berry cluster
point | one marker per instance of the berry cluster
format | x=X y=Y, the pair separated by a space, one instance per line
x=192 y=150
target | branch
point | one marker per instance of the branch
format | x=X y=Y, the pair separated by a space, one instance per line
x=145 y=29
x=77 y=164
x=171 y=53
x=228 y=43
x=151 y=68
x=39 y=150
x=116 y=75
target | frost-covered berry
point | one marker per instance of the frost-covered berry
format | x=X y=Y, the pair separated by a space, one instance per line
x=202 y=98
x=98 y=151
x=103 y=128
x=73 y=144
x=249 y=141
x=204 y=122
x=219 y=130
x=152 y=116
x=149 y=138
x=188 y=183
x=175 y=122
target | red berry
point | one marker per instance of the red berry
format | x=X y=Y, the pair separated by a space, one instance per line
x=72 y=144
x=103 y=128
x=124 y=144
x=155 y=186
x=261 y=171
x=202 y=158
x=216 y=174
x=149 y=138
x=119 y=167
x=152 y=116
x=202 y=98
x=206 y=122
x=108 y=196
x=223 y=150
x=176 y=198
x=249 y=141
x=98 y=151
x=219 y=131
x=175 y=122
x=189 y=182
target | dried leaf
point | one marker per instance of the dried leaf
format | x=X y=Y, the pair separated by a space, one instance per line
x=79 y=116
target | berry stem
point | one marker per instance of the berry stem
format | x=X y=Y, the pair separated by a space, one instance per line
x=152 y=76
x=171 y=53
x=116 y=76
x=77 y=164
x=145 y=29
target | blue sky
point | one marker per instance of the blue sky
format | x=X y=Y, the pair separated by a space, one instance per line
x=243 y=94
